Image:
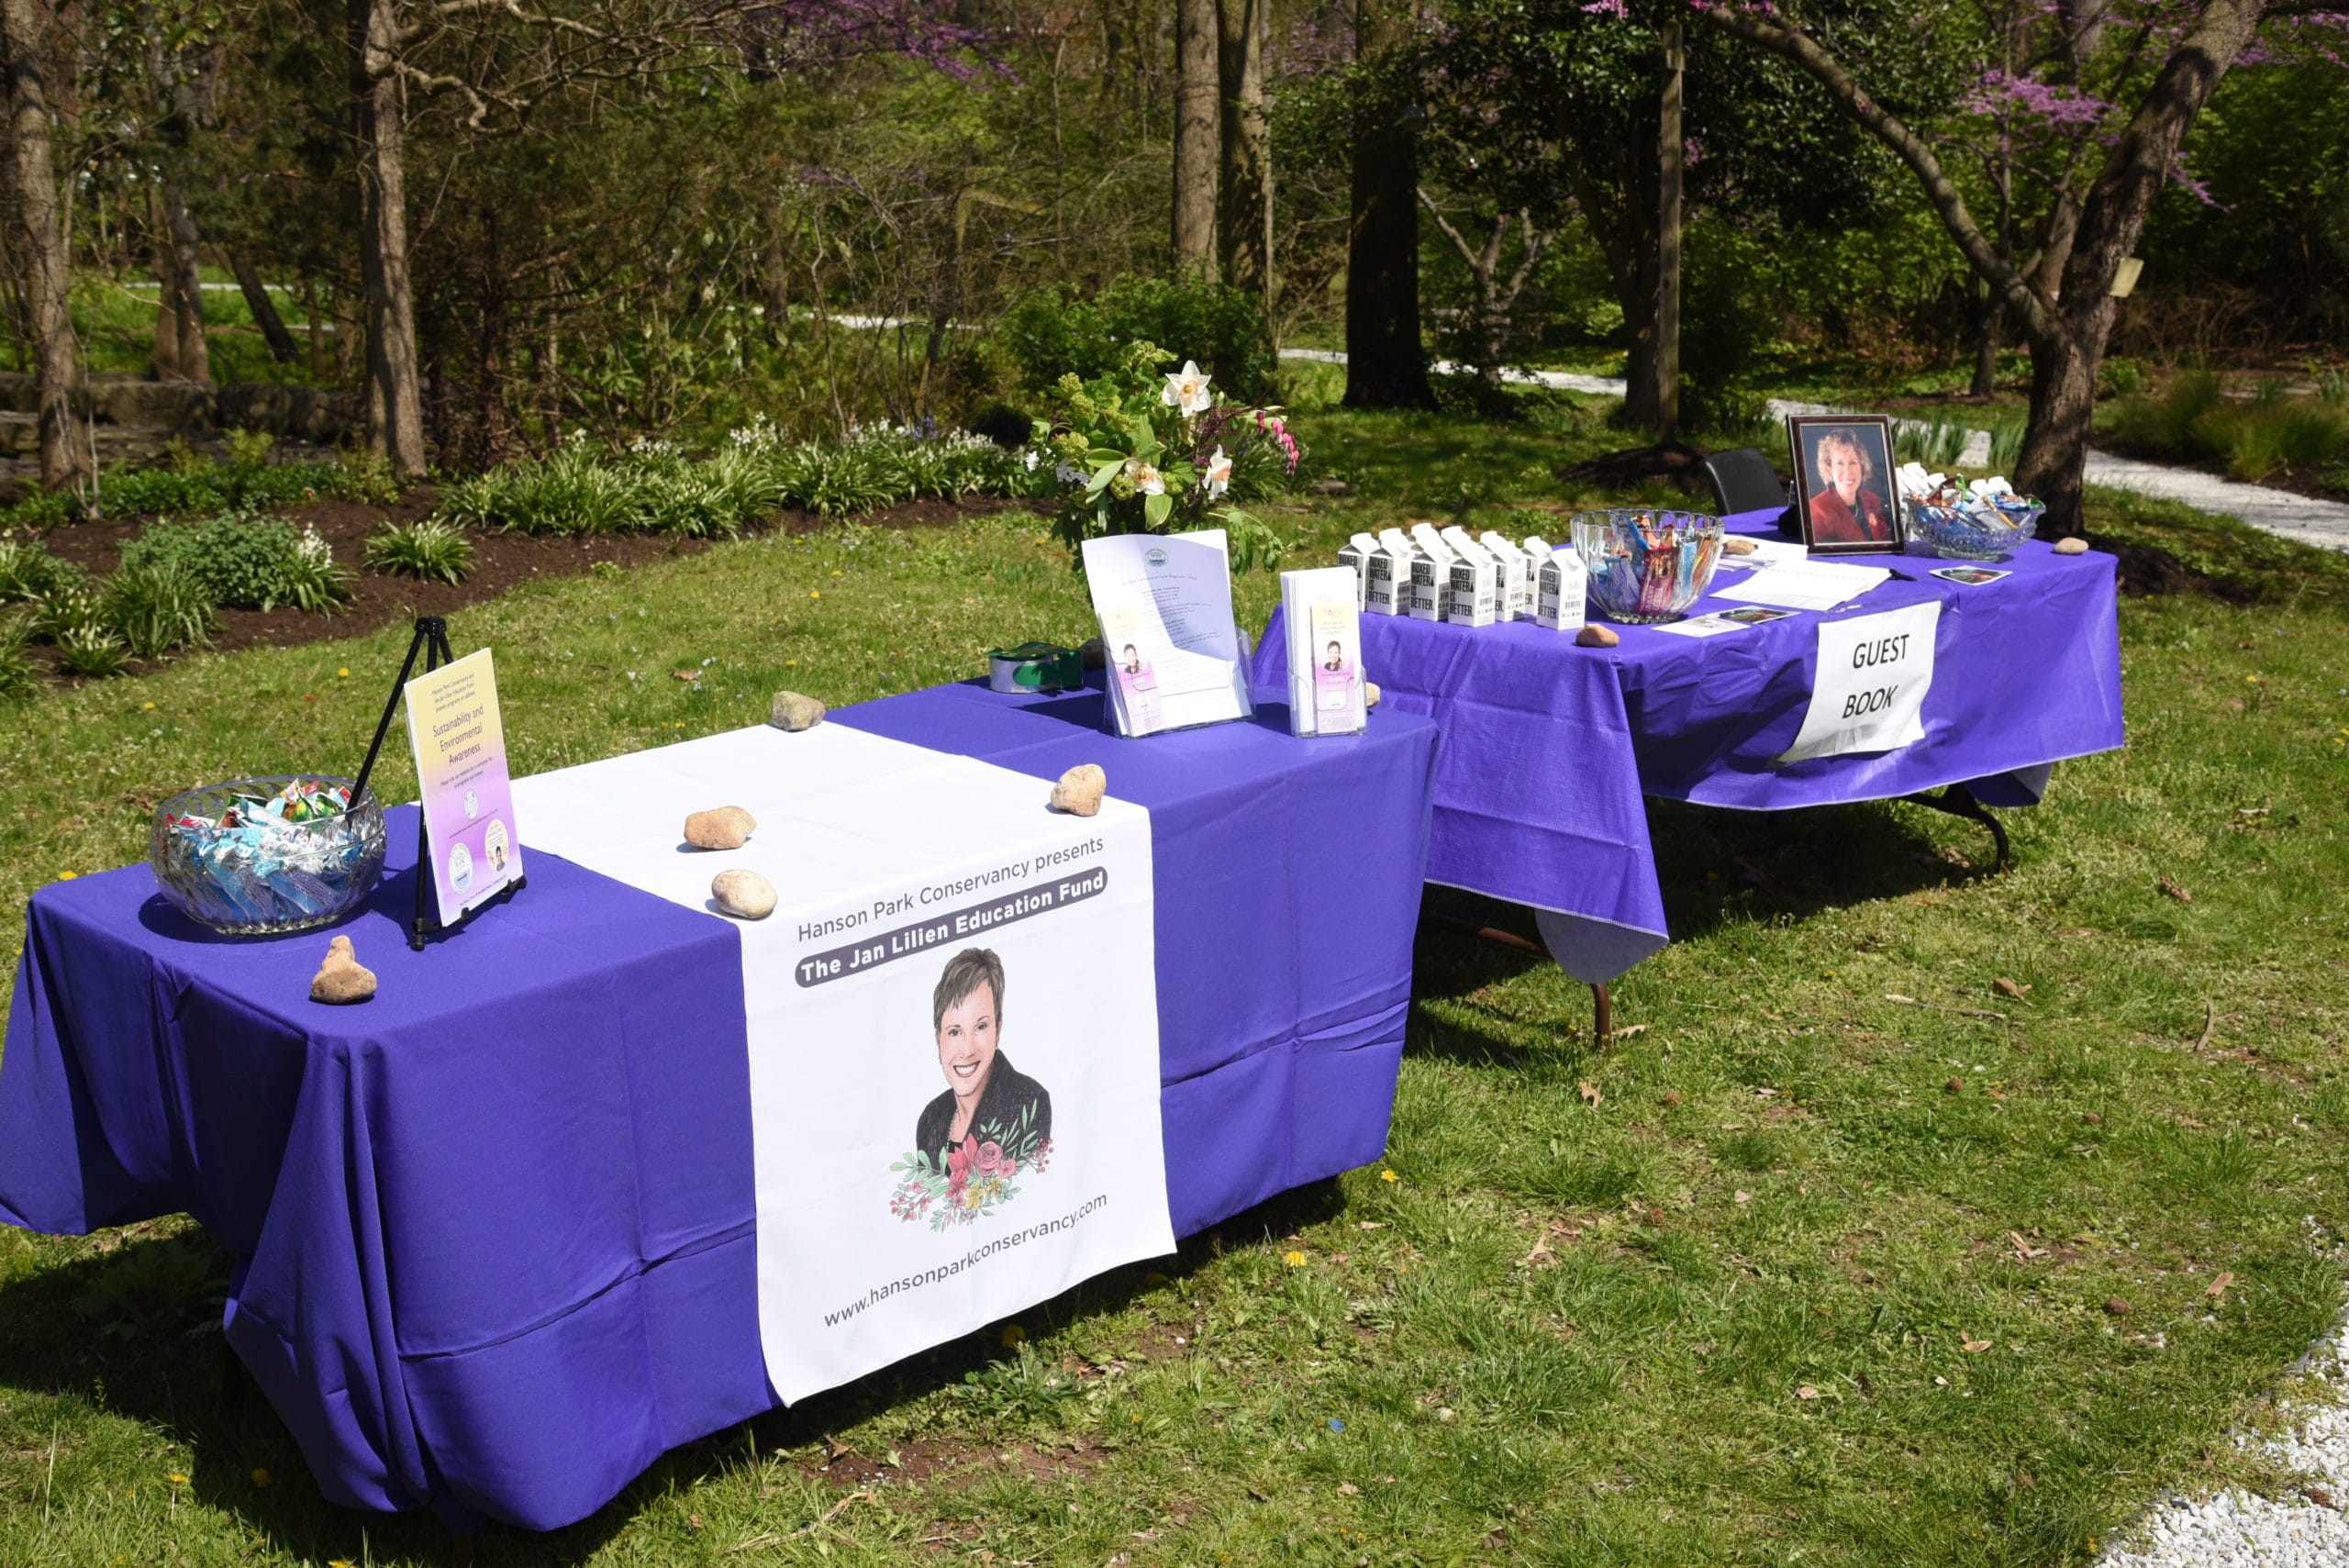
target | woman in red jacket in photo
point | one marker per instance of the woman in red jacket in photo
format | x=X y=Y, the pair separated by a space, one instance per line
x=1845 y=511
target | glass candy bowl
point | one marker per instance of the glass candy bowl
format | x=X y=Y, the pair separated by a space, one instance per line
x=1964 y=533
x=259 y=857
x=1647 y=567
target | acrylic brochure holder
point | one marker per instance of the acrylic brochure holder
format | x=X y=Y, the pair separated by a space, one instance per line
x=1173 y=650
x=1319 y=608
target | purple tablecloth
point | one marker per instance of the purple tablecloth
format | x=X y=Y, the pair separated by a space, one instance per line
x=1548 y=747
x=493 y=1228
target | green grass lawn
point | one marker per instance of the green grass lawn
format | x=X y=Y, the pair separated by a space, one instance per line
x=114 y=318
x=1808 y=1275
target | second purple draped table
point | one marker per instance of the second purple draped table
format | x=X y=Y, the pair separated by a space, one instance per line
x=1550 y=747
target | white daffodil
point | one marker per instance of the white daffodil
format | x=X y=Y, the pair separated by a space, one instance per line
x=1186 y=389
x=1147 y=480
x=1218 y=473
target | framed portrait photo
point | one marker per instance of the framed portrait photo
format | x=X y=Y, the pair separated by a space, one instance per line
x=1845 y=501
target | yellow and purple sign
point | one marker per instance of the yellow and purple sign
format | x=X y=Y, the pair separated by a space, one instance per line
x=459 y=744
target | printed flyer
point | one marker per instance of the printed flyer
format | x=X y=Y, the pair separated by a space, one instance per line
x=953 y=1024
x=1164 y=603
x=459 y=744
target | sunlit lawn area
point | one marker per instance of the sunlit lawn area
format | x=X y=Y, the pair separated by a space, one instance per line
x=1807 y=1274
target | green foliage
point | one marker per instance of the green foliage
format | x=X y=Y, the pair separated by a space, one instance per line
x=2191 y=419
x=653 y=487
x=245 y=561
x=248 y=450
x=1934 y=442
x=1058 y=332
x=94 y=650
x=429 y=548
x=19 y=672
x=27 y=570
x=42 y=510
x=1125 y=460
x=156 y=608
x=192 y=482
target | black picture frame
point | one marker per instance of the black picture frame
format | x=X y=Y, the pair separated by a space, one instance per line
x=1863 y=517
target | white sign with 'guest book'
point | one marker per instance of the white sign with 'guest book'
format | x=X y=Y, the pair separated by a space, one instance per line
x=1869 y=694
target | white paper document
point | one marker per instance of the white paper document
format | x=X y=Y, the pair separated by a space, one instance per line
x=1869 y=694
x=934 y=924
x=1805 y=584
x=1767 y=552
x=1725 y=623
x=1164 y=603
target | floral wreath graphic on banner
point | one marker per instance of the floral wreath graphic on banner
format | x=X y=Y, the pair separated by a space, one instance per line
x=964 y=1182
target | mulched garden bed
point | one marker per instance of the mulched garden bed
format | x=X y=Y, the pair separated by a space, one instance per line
x=500 y=561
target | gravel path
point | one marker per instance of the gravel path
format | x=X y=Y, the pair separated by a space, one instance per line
x=2242 y=1530
x=2323 y=524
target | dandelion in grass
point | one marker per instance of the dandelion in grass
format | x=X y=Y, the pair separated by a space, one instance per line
x=1294 y=1259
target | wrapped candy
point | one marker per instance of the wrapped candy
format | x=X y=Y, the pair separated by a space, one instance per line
x=266 y=855
x=1976 y=521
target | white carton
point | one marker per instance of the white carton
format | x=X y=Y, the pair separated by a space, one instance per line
x=1356 y=554
x=1386 y=579
x=1563 y=583
x=1517 y=586
x=1431 y=572
x=1472 y=583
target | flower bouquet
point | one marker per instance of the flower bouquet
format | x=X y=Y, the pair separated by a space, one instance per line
x=967 y=1182
x=1129 y=455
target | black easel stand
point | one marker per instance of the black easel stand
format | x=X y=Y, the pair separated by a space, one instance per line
x=432 y=639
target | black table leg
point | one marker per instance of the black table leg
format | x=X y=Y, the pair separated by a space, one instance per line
x=1958 y=801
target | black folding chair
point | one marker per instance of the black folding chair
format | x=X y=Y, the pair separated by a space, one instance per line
x=1743 y=480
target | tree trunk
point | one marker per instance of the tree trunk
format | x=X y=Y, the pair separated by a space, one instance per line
x=1985 y=346
x=1670 y=156
x=1244 y=216
x=272 y=326
x=185 y=283
x=2065 y=307
x=394 y=382
x=1196 y=92
x=774 y=270
x=2054 y=463
x=37 y=243
x=1386 y=365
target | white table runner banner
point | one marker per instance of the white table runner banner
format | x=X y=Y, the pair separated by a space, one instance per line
x=934 y=923
x=1869 y=692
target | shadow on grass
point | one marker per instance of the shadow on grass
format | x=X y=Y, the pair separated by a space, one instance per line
x=134 y=1334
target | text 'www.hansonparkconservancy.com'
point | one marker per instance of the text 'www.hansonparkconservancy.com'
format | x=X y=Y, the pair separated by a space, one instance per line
x=971 y=1259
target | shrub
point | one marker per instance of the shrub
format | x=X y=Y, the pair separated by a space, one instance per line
x=1062 y=332
x=245 y=561
x=2161 y=425
x=27 y=571
x=249 y=448
x=70 y=601
x=19 y=674
x=654 y=488
x=153 y=608
x=42 y=509
x=431 y=549
x=192 y=482
x=94 y=651
x=1934 y=442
